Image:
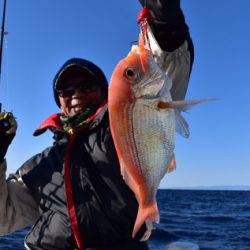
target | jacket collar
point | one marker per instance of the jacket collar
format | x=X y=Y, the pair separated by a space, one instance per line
x=54 y=122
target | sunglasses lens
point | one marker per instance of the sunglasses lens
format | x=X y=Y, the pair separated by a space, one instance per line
x=88 y=87
x=66 y=93
x=85 y=87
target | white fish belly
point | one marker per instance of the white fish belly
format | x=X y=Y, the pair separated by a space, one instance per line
x=154 y=136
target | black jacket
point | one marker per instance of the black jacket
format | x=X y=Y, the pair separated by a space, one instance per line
x=81 y=193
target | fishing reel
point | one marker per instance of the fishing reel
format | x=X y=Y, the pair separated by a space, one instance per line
x=8 y=123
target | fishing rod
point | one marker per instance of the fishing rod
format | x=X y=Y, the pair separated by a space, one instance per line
x=7 y=121
x=1 y=42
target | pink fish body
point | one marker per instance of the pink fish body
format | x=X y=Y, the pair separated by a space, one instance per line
x=143 y=121
x=144 y=135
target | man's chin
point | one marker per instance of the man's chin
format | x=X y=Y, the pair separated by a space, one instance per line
x=76 y=110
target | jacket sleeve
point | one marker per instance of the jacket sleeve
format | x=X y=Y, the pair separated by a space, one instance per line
x=171 y=44
x=18 y=208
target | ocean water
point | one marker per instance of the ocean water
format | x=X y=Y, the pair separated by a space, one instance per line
x=211 y=219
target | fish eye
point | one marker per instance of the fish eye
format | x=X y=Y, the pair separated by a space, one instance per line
x=129 y=72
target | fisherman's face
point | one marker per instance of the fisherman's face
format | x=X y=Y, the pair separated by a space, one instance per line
x=77 y=94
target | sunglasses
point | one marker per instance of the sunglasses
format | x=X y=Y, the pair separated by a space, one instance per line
x=84 y=87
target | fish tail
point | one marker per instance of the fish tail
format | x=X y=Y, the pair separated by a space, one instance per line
x=149 y=213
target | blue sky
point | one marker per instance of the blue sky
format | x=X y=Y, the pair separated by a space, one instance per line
x=44 y=34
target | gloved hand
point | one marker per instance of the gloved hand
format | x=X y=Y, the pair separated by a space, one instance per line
x=8 y=127
x=164 y=10
x=168 y=23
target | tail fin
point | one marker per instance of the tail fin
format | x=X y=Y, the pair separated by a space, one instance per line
x=148 y=213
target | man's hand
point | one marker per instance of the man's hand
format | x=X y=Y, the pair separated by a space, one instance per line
x=168 y=24
x=163 y=10
x=8 y=127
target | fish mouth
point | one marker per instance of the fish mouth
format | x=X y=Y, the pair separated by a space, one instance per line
x=143 y=52
x=150 y=81
x=153 y=80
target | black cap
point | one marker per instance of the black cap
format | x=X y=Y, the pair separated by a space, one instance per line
x=79 y=66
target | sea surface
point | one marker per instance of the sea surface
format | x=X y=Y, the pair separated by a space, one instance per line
x=210 y=219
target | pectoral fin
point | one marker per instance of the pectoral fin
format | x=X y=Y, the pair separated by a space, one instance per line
x=181 y=105
x=181 y=126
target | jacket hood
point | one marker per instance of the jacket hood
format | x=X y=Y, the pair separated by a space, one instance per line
x=88 y=67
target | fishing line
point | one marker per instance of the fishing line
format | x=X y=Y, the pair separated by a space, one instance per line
x=145 y=28
x=2 y=40
x=144 y=19
x=8 y=96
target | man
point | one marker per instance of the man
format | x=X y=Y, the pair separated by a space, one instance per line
x=73 y=193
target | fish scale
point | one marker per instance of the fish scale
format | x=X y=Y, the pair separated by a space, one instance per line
x=126 y=134
x=154 y=141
